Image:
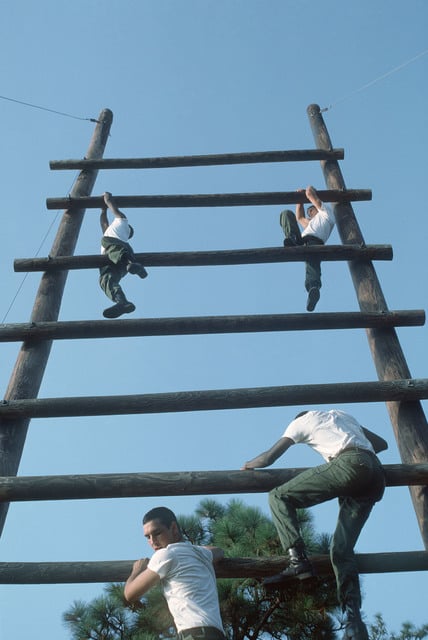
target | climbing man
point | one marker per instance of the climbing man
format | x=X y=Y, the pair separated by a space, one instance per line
x=353 y=474
x=185 y=573
x=115 y=245
x=317 y=224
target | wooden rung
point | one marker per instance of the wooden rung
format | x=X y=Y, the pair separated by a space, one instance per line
x=173 y=483
x=200 y=160
x=210 y=199
x=326 y=253
x=246 y=398
x=119 y=570
x=188 y=325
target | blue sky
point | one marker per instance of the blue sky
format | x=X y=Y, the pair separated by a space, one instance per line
x=195 y=77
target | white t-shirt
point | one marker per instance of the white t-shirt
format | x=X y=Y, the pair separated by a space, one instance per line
x=118 y=229
x=189 y=584
x=321 y=225
x=327 y=432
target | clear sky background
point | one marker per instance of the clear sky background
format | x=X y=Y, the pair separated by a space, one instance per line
x=197 y=77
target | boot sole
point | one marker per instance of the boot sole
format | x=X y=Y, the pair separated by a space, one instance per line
x=285 y=579
x=313 y=299
x=118 y=309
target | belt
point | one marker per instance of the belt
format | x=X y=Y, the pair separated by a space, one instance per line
x=356 y=449
x=210 y=633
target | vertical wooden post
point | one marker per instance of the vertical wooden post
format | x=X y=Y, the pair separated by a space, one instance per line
x=31 y=362
x=407 y=418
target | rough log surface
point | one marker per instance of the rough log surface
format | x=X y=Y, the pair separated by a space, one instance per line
x=210 y=258
x=209 y=199
x=80 y=329
x=252 y=157
x=119 y=570
x=405 y=390
x=172 y=483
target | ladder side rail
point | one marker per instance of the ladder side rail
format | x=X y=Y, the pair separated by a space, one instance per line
x=407 y=417
x=32 y=359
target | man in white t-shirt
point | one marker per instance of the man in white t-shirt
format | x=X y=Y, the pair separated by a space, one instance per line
x=317 y=225
x=185 y=573
x=122 y=260
x=353 y=474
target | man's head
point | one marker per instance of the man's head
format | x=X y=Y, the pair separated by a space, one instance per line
x=161 y=528
x=311 y=211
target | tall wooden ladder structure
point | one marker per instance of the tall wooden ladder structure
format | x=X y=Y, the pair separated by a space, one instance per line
x=395 y=386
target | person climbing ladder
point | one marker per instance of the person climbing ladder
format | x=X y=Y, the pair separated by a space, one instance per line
x=122 y=260
x=317 y=225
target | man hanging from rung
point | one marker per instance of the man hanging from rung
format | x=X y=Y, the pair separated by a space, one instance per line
x=122 y=260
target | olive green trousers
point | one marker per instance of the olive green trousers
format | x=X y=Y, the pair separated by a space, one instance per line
x=356 y=478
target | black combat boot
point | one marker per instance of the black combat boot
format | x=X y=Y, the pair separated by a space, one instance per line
x=355 y=628
x=292 y=241
x=137 y=269
x=299 y=567
x=313 y=297
x=122 y=306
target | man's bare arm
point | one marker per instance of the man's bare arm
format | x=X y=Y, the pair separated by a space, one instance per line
x=109 y=200
x=300 y=213
x=140 y=580
x=218 y=553
x=313 y=197
x=268 y=457
x=103 y=219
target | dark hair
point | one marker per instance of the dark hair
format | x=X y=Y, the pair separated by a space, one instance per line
x=299 y=415
x=131 y=232
x=163 y=514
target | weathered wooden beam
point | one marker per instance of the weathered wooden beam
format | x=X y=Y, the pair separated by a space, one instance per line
x=189 y=325
x=217 y=399
x=326 y=253
x=252 y=157
x=407 y=416
x=119 y=570
x=172 y=483
x=208 y=199
x=31 y=362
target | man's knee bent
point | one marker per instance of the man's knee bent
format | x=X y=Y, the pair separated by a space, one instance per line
x=284 y=215
x=277 y=495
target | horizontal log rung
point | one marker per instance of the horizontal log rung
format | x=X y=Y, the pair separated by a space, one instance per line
x=211 y=258
x=119 y=570
x=173 y=483
x=218 y=399
x=207 y=325
x=209 y=199
x=291 y=155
